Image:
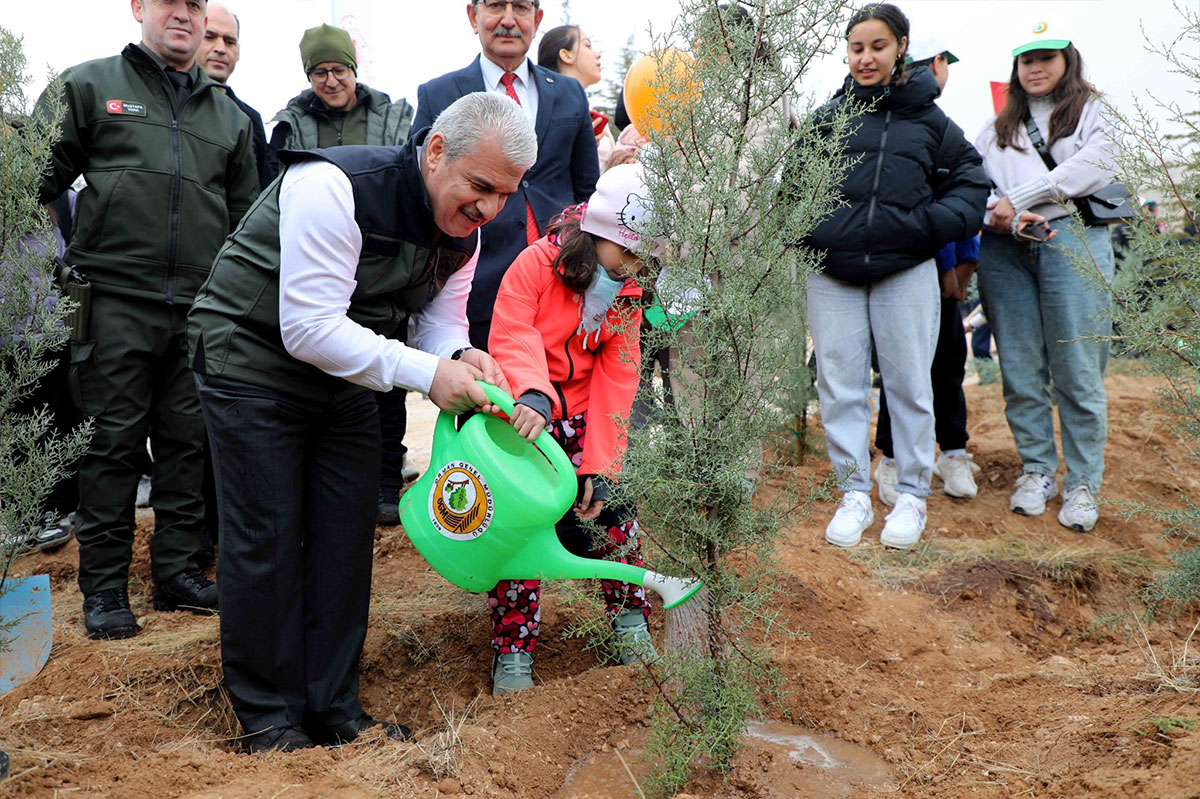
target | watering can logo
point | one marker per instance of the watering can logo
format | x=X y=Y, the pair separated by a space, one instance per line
x=460 y=504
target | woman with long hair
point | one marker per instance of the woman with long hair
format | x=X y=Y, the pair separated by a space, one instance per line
x=568 y=51
x=879 y=285
x=1048 y=311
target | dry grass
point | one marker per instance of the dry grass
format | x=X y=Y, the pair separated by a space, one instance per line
x=441 y=753
x=387 y=765
x=1175 y=671
x=404 y=617
x=1069 y=565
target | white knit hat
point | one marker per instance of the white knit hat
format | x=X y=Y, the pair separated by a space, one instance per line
x=619 y=210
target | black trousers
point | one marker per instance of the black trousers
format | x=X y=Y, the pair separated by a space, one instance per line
x=393 y=422
x=133 y=379
x=947 y=373
x=297 y=481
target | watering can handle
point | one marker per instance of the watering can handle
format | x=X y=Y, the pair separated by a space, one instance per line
x=545 y=442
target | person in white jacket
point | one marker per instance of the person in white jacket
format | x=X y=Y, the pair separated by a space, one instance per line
x=1048 y=301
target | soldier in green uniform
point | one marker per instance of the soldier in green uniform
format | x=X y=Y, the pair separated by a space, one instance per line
x=170 y=170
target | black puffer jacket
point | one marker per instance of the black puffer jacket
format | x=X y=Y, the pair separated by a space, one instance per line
x=890 y=223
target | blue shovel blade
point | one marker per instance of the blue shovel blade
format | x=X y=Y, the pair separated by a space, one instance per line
x=25 y=632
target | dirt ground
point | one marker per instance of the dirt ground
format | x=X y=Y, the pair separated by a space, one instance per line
x=1004 y=657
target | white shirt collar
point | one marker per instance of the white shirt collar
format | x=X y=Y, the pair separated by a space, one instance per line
x=493 y=73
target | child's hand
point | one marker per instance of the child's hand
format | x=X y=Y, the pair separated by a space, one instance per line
x=527 y=422
x=587 y=508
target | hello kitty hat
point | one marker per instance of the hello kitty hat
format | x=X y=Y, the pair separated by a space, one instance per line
x=619 y=210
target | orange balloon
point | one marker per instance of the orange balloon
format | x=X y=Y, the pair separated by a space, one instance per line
x=657 y=81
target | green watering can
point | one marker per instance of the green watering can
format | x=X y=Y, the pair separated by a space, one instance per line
x=485 y=510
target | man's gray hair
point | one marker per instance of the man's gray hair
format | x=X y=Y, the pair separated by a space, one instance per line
x=471 y=118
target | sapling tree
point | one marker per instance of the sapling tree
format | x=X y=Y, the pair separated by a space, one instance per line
x=32 y=457
x=721 y=136
x=1156 y=290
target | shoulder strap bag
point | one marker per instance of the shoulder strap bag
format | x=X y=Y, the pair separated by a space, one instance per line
x=1106 y=206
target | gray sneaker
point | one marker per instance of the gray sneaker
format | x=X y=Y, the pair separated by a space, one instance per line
x=633 y=643
x=512 y=672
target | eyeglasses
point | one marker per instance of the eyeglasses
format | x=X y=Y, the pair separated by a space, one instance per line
x=339 y=72
x=521 y=8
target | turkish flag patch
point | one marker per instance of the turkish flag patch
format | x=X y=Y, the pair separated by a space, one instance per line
x=127 y=107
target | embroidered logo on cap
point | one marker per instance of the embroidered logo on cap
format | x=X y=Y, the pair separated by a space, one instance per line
x=127 y=107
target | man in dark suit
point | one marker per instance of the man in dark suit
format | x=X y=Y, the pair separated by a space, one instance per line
x=567 y=166
x=218 y=55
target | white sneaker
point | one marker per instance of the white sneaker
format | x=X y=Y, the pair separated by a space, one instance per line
x=1080 y=510
x=887 y=476
x=957 y=473
x=853 y=516
x=1032 y=491
x=905 y=523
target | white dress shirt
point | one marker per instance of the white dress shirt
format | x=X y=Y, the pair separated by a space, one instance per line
x=525 y=85
x=319 y=248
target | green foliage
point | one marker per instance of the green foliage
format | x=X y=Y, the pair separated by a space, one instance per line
x=1156 y=291
x=32 y=458
x=1165 y=725
x=735 y=268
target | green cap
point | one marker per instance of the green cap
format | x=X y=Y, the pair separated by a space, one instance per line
x=1042 y=40
x=326 y=43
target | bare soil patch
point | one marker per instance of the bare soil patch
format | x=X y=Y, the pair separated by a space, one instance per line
x=1002 y=658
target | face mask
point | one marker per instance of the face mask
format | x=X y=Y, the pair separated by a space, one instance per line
x=598 y=298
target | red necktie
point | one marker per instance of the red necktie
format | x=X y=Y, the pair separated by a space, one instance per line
x=531 y=225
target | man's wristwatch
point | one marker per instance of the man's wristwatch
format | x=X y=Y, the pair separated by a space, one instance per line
x=459 y=353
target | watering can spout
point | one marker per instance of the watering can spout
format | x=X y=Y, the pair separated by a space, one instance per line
x=548 y=560
x=673 y=590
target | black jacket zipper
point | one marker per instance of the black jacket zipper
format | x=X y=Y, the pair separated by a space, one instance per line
x=562 y=398
x=887 y=118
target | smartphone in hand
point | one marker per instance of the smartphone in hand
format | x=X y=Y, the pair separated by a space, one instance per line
x=1033 y=231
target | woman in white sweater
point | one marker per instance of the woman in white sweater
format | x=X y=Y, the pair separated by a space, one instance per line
x=1047 y=301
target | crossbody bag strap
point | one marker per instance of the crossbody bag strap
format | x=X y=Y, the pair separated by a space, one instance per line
x=1039 y=144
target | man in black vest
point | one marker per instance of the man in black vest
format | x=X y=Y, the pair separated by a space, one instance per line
x=286 y=343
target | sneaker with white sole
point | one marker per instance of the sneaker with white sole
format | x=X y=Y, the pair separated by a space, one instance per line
x=905 y=523
x=853 y=516
x=1080 y=510
x=511 y=672
x=1031 y=493
x=957 y=473
x=886 y=475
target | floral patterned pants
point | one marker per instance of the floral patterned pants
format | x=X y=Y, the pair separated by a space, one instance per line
x=515 y=604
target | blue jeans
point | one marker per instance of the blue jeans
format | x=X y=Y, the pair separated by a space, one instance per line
x=899 y=314
x=1044 y=313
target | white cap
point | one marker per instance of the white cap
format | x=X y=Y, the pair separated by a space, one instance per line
x=619 y=210
x=1041 y=34
x=925 y=49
